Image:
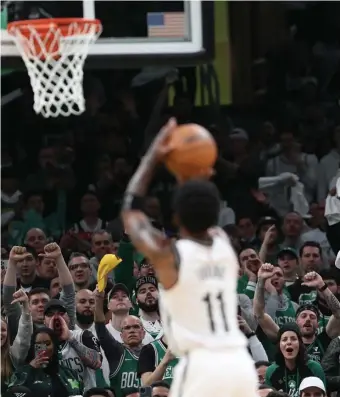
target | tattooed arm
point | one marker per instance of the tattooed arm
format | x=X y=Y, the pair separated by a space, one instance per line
x=333 y=325
x=148 y=240
x=314 y=280
x=264 y=320
x=89 y=352
x=332 y=302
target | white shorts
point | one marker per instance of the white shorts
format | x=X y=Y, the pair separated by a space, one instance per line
x=227 y=373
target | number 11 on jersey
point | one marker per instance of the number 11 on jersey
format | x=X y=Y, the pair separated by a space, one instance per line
x=213 y=301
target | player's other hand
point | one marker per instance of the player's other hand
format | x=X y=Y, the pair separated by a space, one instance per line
x=266 y=271
x=160 y=146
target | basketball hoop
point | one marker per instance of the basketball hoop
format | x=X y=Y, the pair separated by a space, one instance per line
x=54 y=52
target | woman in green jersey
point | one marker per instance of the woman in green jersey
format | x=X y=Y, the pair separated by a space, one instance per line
x=291 y=364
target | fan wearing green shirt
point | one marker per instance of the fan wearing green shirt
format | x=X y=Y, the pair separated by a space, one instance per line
x=307 y=316
x=122 y=358
x=291 y=364
x=156 y=362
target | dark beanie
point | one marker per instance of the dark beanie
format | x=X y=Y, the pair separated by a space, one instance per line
x=289 y=327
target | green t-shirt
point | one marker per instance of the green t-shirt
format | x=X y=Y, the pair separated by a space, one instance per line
x=160 y=351
x=281 y=378
x=316 y=350
x=285 y=312
x=126 y=374
x=308 y=298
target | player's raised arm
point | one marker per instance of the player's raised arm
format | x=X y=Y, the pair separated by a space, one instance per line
x=148 y=240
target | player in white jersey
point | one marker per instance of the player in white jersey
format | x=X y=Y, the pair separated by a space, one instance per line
x=199 y=278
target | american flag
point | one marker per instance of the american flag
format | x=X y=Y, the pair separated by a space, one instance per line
x=166 y=24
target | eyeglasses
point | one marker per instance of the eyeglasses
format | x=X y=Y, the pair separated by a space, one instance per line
x=81 y=266
x=128 y=327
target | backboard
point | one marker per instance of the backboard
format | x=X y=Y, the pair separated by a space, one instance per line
x=135 y=33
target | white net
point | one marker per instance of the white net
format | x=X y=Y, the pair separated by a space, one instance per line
x=55 y=62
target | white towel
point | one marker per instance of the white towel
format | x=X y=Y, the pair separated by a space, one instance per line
x=332 y=207
x=299 y=201
x=286 y=179
x=337 y=261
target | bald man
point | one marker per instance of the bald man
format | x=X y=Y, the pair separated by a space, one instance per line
x=122 y=358
x=36 y=239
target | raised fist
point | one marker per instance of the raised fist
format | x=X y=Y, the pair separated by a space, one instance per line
x=18 y=254
x=52 y=251
x=20 y=296
x=266 y=271
x=313 y=280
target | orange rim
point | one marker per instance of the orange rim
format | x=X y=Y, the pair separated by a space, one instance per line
x=43 y=25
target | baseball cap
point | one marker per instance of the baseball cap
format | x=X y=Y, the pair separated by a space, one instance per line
x=312 y=381
x=96 y=391
x=239 y=133
x=289 y=251
x=36 y=390
x=119 y=287
x=267 y=220
x=146 y=280
x=18 y=391
x=55 y=304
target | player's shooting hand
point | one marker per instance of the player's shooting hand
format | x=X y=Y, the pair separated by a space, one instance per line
x=160 y=146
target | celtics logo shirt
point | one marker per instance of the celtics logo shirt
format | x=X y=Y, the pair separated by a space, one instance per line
x=281 y=378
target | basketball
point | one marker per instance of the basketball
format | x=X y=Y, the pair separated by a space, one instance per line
x=194 y=150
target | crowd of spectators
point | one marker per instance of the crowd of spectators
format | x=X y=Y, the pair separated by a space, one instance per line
x=61 y=193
